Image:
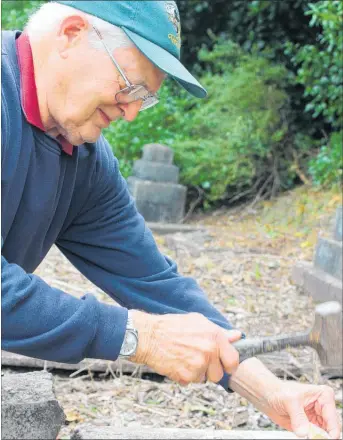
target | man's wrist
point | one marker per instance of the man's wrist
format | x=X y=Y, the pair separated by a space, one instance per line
x=143 y=322
x=255 y=382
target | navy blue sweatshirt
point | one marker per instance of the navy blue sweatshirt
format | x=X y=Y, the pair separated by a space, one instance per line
x=82 y=204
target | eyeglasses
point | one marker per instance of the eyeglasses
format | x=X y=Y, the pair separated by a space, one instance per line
x=131 y=92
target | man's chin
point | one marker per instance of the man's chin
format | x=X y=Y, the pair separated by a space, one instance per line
x=83 y=138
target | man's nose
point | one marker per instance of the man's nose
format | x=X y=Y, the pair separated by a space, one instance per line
x=130 y=111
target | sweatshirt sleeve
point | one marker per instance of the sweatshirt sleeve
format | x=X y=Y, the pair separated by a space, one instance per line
x=47 y=323
x=111 y=245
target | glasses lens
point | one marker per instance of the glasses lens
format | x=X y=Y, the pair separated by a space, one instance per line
x=136 y=93
x=130 y=94
x=149 y=102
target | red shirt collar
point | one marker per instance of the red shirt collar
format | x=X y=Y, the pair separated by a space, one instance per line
x=28 y=89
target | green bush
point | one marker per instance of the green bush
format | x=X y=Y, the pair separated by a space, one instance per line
x=326 y=168
x=265 y=24
x=237 y=138
x=320 y=66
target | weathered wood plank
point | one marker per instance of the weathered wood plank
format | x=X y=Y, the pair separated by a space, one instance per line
x=282 y=364
x=97 y=365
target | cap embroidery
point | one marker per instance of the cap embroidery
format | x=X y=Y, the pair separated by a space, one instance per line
x=174 y=17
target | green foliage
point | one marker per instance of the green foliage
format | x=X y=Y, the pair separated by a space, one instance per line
x=236 y=136
x=326 y=168
x=321 y=65
x=267 y=25
x=260 y=22
x=14 y=14
x=314 y=32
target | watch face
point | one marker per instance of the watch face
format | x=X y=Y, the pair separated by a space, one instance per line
x=130 y=344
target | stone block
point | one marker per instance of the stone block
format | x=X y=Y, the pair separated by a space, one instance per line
x=97 y=432
x=338 y=233
x=158 y=153
x=157 y=172
x=328 y=257
x=317 y=283
x=29 y=409
x=158 y=202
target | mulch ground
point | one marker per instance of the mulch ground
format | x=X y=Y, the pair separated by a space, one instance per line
x=243 y=262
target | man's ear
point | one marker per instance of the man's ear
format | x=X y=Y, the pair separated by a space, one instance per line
x=71 y=31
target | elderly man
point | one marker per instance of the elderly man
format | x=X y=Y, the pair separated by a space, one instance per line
x=78 y=66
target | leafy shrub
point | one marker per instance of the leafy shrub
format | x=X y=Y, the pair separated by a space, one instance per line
x=265 y=24
x=326 y=168
x=238 y=137
x=320 y=66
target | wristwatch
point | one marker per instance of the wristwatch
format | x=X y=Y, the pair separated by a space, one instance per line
x=130 y=343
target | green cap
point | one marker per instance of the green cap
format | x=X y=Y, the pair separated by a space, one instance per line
x=154 y=27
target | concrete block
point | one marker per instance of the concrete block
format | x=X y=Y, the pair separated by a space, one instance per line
x=96 y=432
x=158 y=153
x=29 y=409
x=158 y=202
x=328 y=257
x=157 y=172
x=317 y=283
x=338 y=233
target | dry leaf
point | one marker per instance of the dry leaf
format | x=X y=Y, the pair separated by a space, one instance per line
x=74 y=416
x=305 y=244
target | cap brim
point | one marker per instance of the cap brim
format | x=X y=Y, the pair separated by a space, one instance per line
x=167 y=63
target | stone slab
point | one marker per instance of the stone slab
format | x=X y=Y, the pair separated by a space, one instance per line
x=328 y=257
x=29 y=409
x=158 y=153
x=89 y=432
x=338 y=232
x=156 y=172
x=158 y=201
x=320 y=285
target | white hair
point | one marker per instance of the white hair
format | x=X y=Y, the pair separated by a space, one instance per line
x=50 y=15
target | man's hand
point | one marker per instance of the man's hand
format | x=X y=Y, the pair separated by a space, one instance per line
x=295 y=405
x=186 y=348
x=289 y=404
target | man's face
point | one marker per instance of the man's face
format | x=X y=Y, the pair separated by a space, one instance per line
x=82 y=101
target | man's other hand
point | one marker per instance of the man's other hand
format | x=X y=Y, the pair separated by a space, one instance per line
x=186 y=348
x=294 y=406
